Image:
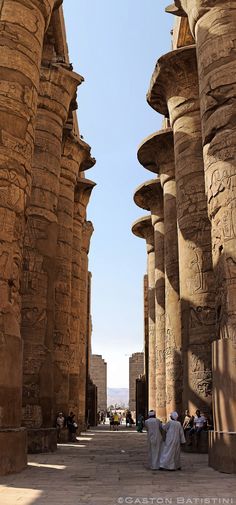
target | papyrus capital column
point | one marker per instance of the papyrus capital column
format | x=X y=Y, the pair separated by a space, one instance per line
x=214 y=28
x=143 y=228
x=82 y=232
x=174 y=92
x=156 y=153
x=149 y=196
x=57 y=89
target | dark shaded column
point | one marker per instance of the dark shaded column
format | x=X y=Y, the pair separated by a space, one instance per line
x=22 y=25
x=143 y=228
x=149 y=196
x=78 y=343
x=57 y=90
x=156 y=154
x=174 y=91
x=213 y=25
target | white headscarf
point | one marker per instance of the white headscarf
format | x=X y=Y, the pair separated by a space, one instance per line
x=174 y=416
x=151 y=413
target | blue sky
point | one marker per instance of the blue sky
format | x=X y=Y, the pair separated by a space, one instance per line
x=114 y=44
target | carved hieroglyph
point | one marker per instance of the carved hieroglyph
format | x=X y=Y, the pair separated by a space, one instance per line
x=149 y=196
x=156 y=153
x=174 y=91
x=82 y=231
x=143 y=228
x=57 y=89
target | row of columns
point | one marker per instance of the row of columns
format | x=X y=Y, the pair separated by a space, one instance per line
x=44 y=237
x=194 y=87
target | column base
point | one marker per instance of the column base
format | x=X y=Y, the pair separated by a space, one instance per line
x=222 y=451
x=13 y=452
x=42 y=440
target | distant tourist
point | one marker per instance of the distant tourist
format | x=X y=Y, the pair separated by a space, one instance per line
x=199 y=424
x=188 y=421
x=116 y=421
x=140 y=423
x=72 y=427
x=154 y=439
x=60 y=424
x=111 y=418
x=170 y=451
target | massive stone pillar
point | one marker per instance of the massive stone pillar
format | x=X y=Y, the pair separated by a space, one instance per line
x=149 y=196
x=23 y=24
x=146 y=336
x=174 y=91
x=82 y=231
x=143 y=228
x=214 y=28
x=57 y=89
x=75 y=157
x=156 y=153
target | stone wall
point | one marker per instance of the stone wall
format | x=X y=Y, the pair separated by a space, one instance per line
x=136 y=369
x=98 y=374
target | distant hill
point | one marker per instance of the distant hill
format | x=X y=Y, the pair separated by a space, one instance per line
x=118 y=396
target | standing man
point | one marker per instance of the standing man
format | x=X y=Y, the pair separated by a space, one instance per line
x=154 y=438
x=170 y=452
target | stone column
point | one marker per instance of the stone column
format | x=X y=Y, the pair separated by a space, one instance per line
x=156 y=154
x=149 y=196
x=75 y=155
x=146 y=334
x=57 y=89
x=214 y=28
x=143 y=228
x=174 y=91
x=77 y=365
x=23 y=24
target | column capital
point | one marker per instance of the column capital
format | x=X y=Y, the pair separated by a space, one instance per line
x=143 y=228
x=195 y=9
x=175 y=80
x=156 y=153
x=87 y=232
x=149 y=196
x=57 y=89
x=83 y=190
x=76 y=156
x=45 y=7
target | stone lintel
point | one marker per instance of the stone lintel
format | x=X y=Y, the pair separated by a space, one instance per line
x=156 y=149
x=143 y=228
x=172 y=75
x=149 y=196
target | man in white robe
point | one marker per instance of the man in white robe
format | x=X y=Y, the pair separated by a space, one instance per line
x=154 y=438
x=170 y=451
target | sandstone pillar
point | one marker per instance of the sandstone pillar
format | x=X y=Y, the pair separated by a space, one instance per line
x=156 y=153
x=149 y=196
x=22 y=25
x=174 y=91
x=146 y=334
x=143 y=228
x=57 y=89
x=75 y=156
x=81 y=238
x=214 y=28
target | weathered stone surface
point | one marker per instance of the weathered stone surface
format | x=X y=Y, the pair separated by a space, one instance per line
x=57 y=89
x=13 y=454
x=143 y=228
x=149 y=196
x=156 y=153
x=174 y=91
x=98 y=374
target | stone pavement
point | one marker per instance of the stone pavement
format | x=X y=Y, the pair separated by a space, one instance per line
x=109 y=468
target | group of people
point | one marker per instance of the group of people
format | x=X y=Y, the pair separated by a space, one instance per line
x=68 y=422
x=165 y=440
